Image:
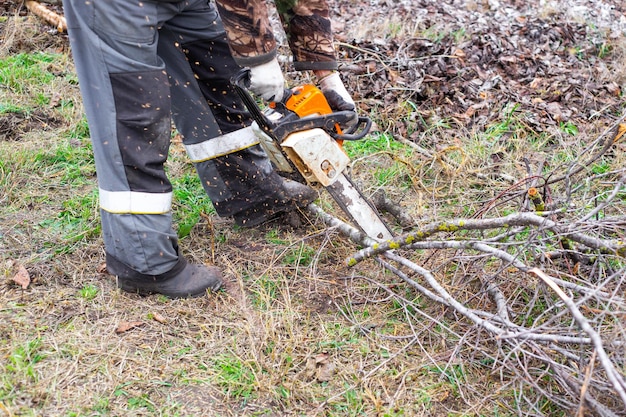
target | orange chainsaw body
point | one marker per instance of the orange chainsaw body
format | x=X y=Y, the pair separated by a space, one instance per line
x=308 y=100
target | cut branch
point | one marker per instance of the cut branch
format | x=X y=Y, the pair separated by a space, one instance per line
x=499 y=323
x=616 y=247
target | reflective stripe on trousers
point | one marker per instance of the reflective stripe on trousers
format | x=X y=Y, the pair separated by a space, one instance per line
x=126 y=96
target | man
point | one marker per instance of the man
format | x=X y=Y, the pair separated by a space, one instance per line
x=140 y=65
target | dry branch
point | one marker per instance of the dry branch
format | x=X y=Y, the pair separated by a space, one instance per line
x=344 y=228
x=538 y=341
x=614 y=376
x=518 y=219
x=53 y=18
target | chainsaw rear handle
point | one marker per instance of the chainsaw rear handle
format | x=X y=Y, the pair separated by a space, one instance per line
x=358 y=131
x=328 y=122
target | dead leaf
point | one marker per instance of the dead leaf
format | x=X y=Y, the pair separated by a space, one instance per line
x=469 y=112
x=319 y=367
x=22 y=277
x=325 y=371
x=159 y=318
x=309 y=368
x=55 y=100
x=535 y=83
x=102 y=268
x=125 y=326
x=614 y=89
x=557 y=112
x=620 y=132
x=393 y=75
x=508 y=59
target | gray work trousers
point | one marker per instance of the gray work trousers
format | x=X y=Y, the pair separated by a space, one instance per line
x=141 y=65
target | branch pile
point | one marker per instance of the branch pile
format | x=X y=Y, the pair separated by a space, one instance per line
x=538 y=294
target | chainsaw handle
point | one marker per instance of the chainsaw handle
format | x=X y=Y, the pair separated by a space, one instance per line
x=241 y=78
x=241 y=81
x=358 y=131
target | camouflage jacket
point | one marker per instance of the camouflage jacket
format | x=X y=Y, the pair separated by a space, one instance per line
x=306 y=24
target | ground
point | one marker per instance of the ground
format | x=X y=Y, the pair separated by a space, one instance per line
x=470 y=99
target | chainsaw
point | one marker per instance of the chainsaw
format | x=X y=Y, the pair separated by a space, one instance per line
x=303 y=138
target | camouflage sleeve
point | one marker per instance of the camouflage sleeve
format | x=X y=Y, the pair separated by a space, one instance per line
x=306 y=23
x=308 y=28
x=248 y=30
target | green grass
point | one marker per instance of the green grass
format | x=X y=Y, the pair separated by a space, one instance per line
x=88 y=292
x=394 y=175
x=264 y=292
x=351 y=403
x=452 y=374
x=338 y=336
x=78 y=220
x=33 y=80
x=61 y=164
x=12 y=108
x=189 y=202
x=134 y=401
x=18 y=368
x=68 y=163
x=301 y=255
x=434 y=34
x=23 y=71
x=507 y=125
x=61 y=174
x=44 y=85
x=569 y=128
x=374 y=144
x=236 y=376
x=78 y=130
x=273 y=236
x=601 y=167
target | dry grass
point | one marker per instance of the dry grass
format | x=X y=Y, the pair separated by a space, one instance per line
x=294 y=332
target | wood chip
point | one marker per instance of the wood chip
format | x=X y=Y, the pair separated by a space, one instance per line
x=22 y=277
x=159 y=318
x=125 y=326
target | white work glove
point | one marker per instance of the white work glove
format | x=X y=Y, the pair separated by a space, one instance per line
x=336 y=94
x=267 y=81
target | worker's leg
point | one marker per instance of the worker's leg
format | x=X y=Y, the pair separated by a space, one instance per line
x=126 y=96
x=235 y=171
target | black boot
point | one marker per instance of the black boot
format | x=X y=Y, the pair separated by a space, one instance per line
x=288 y=195
x=184 y=281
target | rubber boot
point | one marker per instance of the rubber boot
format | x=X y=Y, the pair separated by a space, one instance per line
x=191 y=280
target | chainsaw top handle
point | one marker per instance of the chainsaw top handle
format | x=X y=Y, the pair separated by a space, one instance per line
x=291 y=122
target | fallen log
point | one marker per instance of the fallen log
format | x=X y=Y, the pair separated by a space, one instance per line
x=46 y=14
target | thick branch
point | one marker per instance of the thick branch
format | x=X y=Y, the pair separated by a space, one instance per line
x=48 y=15
x=517 y=219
